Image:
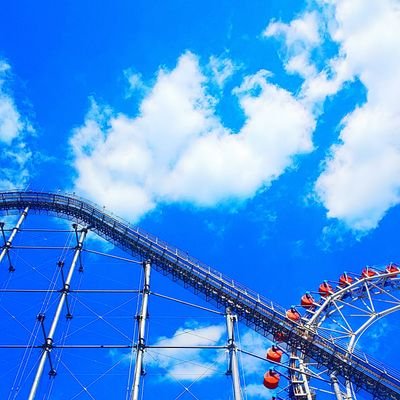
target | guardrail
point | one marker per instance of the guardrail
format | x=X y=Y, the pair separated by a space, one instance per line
x=258 y=311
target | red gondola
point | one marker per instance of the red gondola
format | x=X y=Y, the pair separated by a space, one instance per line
x=293 y=314
x=368 y=272
x=345 y=280
x=393 y=268
x=307 y=301
x=325 y=289
x=271 y=379
x=274 y=354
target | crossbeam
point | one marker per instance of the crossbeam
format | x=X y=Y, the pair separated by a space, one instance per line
x=257 y=312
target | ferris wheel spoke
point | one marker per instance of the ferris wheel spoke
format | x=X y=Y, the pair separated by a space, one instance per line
x=371 y=303
x=385 y=301
x=346 y=328
x=389 y=294
x=354 y=307
x=333 y=330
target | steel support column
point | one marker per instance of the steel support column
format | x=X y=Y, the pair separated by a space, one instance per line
x=140 y=348
x=48 y=345
x=335 y=386
x=233 y=368
x=8 y=243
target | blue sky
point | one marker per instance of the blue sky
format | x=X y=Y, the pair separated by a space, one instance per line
x=261 y=137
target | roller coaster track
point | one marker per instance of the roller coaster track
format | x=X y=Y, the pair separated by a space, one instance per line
x=259 y=313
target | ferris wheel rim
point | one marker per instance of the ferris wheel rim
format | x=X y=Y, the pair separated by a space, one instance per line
x=355 y=291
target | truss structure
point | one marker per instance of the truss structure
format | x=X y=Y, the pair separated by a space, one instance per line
x=257 y=312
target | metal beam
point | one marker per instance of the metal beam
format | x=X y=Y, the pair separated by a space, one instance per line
x=141 y=345
x=8 y=243
x=48 y=345
x=233 y=368
x=259 y=313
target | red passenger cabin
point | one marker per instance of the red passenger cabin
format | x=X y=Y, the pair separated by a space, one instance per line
x=325 y=289
x=293 y=314
x=307 y=301
x=271 y=379
x=368 y=272
x=392 y=268
x=345 y=280
x=274 y=354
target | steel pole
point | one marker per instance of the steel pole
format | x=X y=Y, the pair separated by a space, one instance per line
x=48 y=345
x=233 y=368
x=335 y=386
x=7 y=245
x=140 y=348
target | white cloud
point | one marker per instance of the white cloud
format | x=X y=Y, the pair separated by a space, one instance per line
x=304 y=39
x=15 y=155
x=186 y=364
x=257 y=391
x=177 y=149
x=361 y=180
x=222 y=69
x=190 y=364
x=10 y=120
x=300 y=36
x=136 y=82
x=254 y=343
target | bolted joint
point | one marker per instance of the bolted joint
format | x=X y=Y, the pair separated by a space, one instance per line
x=52 y=373
x=49 y=344
x=40 y=317
x=146 y=289
x=66 y=288
x=141 y=344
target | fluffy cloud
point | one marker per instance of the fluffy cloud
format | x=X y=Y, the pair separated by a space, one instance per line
x=14 y=155
x=222 y=69
x=361 y=180
x=190 y=364
x=301 y=36
x=10 y=120
x=304 y=40
x=177 y=149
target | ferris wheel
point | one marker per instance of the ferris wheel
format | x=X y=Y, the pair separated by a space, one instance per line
x=78 y=316
x=342 y=311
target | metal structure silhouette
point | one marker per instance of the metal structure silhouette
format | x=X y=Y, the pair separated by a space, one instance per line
x=303 y=340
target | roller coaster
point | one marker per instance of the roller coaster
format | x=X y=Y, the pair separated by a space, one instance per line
x=306 y=339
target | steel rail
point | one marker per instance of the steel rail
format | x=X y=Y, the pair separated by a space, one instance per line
x=257 y=312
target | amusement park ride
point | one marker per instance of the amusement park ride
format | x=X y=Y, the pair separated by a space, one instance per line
x=312 y=344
